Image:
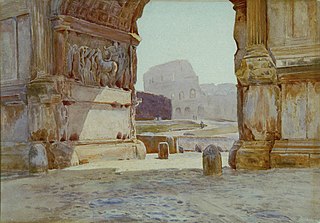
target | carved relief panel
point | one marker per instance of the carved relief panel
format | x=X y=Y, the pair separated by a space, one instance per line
x=97 y=62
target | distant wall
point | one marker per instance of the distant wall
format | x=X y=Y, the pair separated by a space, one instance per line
x=153 y=106
x=189 y=143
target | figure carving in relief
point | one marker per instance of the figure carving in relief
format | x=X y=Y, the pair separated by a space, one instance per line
x=107 y=67
x=88 y=66
x=119 y=54
x=81 y=64
x=74 y=62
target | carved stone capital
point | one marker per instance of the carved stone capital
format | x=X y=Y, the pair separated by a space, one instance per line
x=239 y=4
x=257 y=67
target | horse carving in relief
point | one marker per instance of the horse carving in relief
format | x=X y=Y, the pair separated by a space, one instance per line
x=94 y=67
x=118 y=53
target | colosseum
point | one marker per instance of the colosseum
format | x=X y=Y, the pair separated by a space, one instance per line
x=178 y=81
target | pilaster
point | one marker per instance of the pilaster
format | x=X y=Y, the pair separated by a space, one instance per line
x=41 y=38
x=258 y=95
x=240 y=31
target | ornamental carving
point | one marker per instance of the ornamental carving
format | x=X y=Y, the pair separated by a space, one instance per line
x=113 y=13
x=99 y=67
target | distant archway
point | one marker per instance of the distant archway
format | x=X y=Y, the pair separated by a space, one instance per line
x=200 y=111
x=181 y=95
x=187 y=111
x=193 y=93
x=178 y=111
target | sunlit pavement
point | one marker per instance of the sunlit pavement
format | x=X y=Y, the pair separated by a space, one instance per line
x=96 y=193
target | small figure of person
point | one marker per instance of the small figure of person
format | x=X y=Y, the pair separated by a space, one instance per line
x=202 y=125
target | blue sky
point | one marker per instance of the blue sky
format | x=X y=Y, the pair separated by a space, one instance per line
x=200 y=31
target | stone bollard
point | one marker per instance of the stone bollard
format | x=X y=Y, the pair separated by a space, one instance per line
x=211 y=160
x=181 y=150
x=197 y=148
x=141 y=150
x=38 y=160
x=163 y=150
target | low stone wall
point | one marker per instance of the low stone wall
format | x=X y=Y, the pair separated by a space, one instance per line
x=188 y=143
x=151 y=142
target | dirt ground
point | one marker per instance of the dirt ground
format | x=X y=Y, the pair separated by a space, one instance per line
x=156 y=192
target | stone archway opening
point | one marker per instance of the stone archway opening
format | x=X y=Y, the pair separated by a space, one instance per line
x=267 y=75
x=196 y=98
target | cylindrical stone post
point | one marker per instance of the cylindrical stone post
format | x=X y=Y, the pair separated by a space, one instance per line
x=211 y=160
x=163 y=150
x=38 y=160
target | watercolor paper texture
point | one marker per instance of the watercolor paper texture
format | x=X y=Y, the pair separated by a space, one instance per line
x=72 y=72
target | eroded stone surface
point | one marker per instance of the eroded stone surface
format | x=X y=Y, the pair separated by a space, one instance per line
x=152 y=141
x=211 y=160
x=163 y=150
x=38 y=160
x=294 y=109
x=77 y=82
x=141 y=150
x=198 y=148
x=260 y=113
x=233 y=154
x=61 y=155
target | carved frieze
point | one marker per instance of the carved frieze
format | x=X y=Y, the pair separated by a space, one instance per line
x=112 y=13
x=101 y=66
x=257 y=67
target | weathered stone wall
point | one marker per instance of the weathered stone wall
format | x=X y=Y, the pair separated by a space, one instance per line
x=15 y=69
x=68 y=70
x=294 y=41
x=151 y=142
x=153 y=106
x=278 y=84
x=188 y=143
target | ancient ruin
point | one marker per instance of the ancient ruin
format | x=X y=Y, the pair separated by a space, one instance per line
x=190 y=100
x=278 y=71
x=68 y=69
